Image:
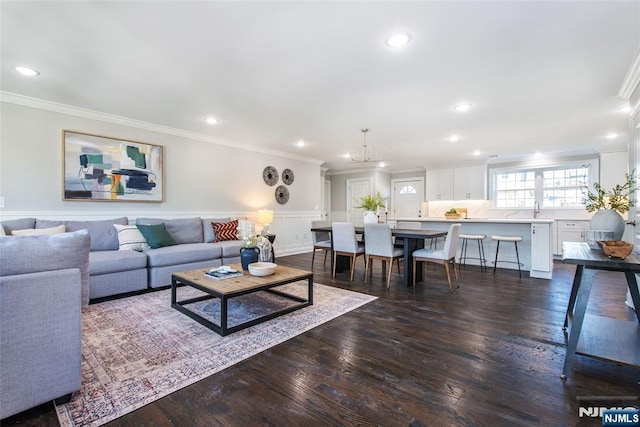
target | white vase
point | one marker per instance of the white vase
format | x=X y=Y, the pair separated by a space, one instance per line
x=370 y=217
x=608 y=220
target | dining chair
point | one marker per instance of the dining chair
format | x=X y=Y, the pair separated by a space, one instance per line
x=445 y=256
x=321 y=240
x=343 y=235
x=378 y=244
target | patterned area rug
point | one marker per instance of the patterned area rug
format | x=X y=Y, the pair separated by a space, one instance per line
x=136 y=350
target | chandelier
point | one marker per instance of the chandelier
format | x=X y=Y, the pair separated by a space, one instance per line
x=367 y=156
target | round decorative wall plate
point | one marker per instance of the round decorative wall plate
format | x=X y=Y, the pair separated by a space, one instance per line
x=287 y=176
x=270 y=175
x=282 y=194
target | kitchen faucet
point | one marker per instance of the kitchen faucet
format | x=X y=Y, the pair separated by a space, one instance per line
x=536 y=208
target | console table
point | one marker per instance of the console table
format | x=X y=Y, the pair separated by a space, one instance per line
x=602 y=337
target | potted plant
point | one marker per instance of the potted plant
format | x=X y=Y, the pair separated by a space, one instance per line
x=608 y=205
x=370 y=204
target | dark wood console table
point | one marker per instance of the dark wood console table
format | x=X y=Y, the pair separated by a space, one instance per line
x=602 y=337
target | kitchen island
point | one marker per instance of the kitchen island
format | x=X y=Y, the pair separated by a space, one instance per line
x=536 y=253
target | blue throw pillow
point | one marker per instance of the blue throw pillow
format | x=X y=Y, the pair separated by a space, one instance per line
x=156 y=235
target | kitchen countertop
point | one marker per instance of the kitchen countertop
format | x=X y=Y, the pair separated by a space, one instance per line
x=480 y=220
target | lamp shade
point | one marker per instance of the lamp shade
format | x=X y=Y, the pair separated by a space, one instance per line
x=265 y=216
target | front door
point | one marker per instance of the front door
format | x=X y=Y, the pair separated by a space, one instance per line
x=408 y=196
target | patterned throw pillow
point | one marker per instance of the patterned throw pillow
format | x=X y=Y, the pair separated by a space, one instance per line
x=130 y=238
x=226 y=230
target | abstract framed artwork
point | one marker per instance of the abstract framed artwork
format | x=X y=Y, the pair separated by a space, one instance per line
x=99 y=168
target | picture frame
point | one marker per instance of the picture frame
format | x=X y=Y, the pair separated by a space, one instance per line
x=106 y=169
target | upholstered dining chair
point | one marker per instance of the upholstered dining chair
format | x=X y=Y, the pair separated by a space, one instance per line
x=321 y=240
x=343 y=235
x=378 y=244
x=445 y=256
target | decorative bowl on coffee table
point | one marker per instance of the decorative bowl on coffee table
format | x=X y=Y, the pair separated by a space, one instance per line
x=262 y=268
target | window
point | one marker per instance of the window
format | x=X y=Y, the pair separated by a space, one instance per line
x=408 y=189
x=563 y=187
x=515 y=189
x=557 y=186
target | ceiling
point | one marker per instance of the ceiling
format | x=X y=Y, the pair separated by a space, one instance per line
x=541 y=76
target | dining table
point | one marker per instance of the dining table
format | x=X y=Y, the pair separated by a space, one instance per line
x=413 y=240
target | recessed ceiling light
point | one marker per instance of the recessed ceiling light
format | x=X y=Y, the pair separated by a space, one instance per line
x=398 y=39
x=300 y=143
x=212 y=120
x=625 y=109
x=537 y=154
x=612 y=135
x=382 y=164
x=454 y=138
x=26 y=71
x=462 y=107
x=477 y=152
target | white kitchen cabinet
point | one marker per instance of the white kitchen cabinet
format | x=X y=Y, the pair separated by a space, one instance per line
x=469 y=183
x=569 y=231
x=541 y=259
x=440 y=184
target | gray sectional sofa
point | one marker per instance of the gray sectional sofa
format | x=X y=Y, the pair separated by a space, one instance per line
x=113 y=271
x=42 y=280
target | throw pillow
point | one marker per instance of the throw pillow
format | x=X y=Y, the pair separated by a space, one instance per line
x=130 y=238
x=157 y=235
x=40 y=231
x=225 y=230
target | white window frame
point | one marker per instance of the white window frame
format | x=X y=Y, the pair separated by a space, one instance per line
x=593 y=174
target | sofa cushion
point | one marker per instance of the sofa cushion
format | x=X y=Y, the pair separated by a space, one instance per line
x=31 y=254
x=183 y=254
x=40 y=231
x=183 y=230
x=104 y=262
x=156 y=235
x=103 y=236
x=226 y=230
x=207 y=228
x=130 y=238
x=18 y=224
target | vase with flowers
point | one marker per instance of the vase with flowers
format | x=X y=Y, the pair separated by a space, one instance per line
x=370 y=204
x=248 y=252
x=609 y=205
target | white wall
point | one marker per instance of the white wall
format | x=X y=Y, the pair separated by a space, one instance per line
x=201 y=178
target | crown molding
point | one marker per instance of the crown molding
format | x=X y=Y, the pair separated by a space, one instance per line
x=409 y=170
x=14 y=98
x=632 y=79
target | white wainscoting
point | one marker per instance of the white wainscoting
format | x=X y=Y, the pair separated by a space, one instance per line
x=292 y=229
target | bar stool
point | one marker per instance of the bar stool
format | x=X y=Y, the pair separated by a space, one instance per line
x=463 y=252
x=515 y=240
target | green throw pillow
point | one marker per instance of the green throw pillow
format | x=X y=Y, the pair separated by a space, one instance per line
x=156 y=235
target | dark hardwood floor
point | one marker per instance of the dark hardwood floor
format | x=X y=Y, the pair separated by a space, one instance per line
x=489 y=354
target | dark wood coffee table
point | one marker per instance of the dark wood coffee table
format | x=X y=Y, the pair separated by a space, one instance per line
x=234 y=287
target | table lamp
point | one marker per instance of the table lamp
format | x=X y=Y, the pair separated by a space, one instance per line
x=265 y=217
